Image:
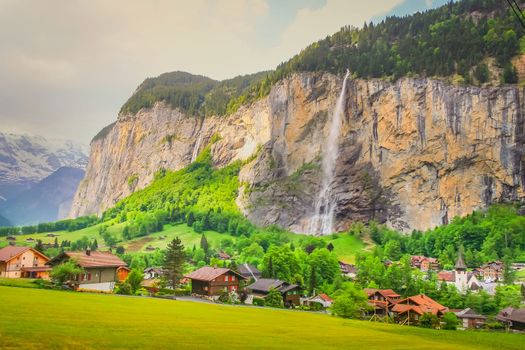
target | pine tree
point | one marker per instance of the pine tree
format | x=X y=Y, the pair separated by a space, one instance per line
x=39 y=246
x=204 y=244
x=55 y=245
x=174 y=262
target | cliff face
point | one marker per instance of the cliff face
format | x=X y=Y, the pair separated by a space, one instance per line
x=413 y=154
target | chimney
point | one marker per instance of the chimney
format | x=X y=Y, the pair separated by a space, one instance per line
x=88 y=252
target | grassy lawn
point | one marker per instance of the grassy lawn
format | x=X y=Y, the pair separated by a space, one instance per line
x=345 y=245
x=45 y=319
x=19 y=282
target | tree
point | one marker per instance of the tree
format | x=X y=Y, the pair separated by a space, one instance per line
x=55 y=245
x=508 y=296
x=429 y=320
x=510 y=75
x=174 y=262
x=481 y=73
x=330 y=247
x=39 y=246
x=64 y=272
x=349 y=302
x=204 y=245
x=450 y=321
x=134 y=279
x=274 y=298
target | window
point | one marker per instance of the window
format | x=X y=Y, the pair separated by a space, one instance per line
x=233 y=278
x=225 y=278
x=89 y=276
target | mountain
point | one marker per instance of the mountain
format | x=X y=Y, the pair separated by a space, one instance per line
x=48 y=200
x=25 y=161
x=411 y=147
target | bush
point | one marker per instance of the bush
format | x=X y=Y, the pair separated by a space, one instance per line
x=258 y=302
x=429 y=320
x=450 y=321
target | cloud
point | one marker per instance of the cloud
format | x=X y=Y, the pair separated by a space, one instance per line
x=66 y=66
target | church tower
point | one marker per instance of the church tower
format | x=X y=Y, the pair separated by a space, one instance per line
x=461 y=273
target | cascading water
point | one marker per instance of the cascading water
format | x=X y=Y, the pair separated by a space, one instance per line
x=321 y=222
x=197 y=145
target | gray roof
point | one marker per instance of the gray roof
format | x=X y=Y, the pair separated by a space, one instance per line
x=265 y=284
x=460 y=264
x=469 y=313
x=249 y=270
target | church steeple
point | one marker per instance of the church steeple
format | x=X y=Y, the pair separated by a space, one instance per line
x=460 y=264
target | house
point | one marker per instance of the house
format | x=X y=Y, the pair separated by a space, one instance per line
x=23 y=262
x=469 y=319
x=322 y=299
x=10 y=238
x=153 y=272
x=101 y=269
x=460 y=277
x=212 y=281
x=348 y=270
x=424 y=263
x=223 y=256
x=512 y=318
x=290 y=292
x=409 y=310
x=249 y=271
x=492 y=271
x=381 y=300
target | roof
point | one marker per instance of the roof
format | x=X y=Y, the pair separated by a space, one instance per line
x=325 y=297
x=448 y=276
x=460 y=264
x=387 y=293
x=224 y=256
x=94 y=259
x=468 y=313
x=208 y=273
x=11 y=252
x=425 y=304
x=512 y=314
x=249 y=270
x=265 y=284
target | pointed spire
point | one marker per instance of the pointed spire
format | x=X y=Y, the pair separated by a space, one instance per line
x=460 y=263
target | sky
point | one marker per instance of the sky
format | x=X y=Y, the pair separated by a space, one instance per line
x=67 y=66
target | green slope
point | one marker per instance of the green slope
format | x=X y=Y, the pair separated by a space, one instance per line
x=44 y=319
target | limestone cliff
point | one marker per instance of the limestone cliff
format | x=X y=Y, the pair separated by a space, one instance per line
x=413 y=153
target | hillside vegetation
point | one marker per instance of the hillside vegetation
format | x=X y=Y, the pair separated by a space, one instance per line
x=460 y=40
x=115 y=322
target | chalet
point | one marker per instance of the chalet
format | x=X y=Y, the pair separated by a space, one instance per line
x=20 y=262
x=322 y=299
x=153 y=272
x=30 y=239
x=249 y=272
x=424 y=263
x=348 y=270
x=381 y=300
x=101 y=269
x=212 y=281
x=512 y=318
x=492 y=271
x=10 y=238
x=290 y=292
x=409 y=310
x=469 y=319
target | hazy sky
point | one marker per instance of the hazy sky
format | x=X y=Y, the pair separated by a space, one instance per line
x=67 y=66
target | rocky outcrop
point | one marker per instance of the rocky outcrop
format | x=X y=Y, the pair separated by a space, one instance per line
x=413 y=153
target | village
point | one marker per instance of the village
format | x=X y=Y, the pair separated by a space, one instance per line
x=245 y=284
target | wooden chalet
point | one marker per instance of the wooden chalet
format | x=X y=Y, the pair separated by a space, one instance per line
x=101 y=269
x=347 y=270
x=23 y=262
x=470 y=319
x=424 y=263
x=212 y=281
x=290 y=292
x=512 y=318
x=409 y=310
x=321 y=299
x=381 y=301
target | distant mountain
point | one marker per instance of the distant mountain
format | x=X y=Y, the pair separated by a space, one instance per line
x=25 y=160
x=48 y=200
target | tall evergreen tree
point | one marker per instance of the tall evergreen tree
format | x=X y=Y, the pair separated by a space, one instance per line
x=174 y=262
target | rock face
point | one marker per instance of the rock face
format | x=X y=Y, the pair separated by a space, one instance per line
x=413 y=153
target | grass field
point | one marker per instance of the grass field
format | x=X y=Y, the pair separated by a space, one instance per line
x=46 y=319
x=345 y=245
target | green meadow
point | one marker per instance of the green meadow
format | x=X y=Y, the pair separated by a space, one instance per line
x=46 y=319
x=345 y=245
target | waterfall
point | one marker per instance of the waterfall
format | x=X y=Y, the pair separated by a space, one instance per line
x=195 y=152
x=321 y=222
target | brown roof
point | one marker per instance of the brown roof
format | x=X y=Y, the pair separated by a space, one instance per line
x=11 y=252
x=94 y=259
x=448 y=276
x=325 y=297
x=512 y=314
x=387 y=293
x=208 y=273
x=423 y=302
x=469 y=313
